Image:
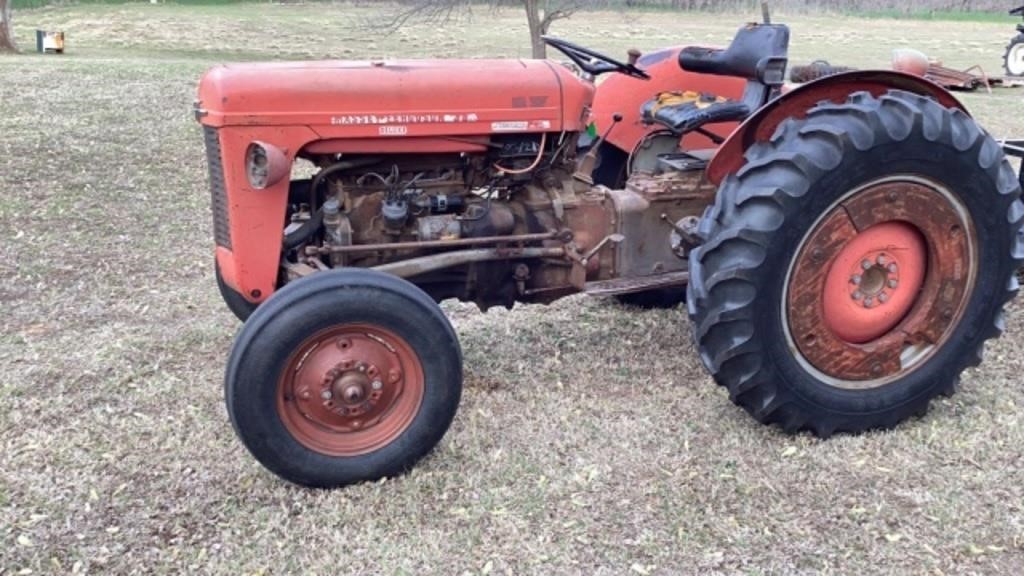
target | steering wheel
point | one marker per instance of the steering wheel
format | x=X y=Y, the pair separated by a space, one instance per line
x=591 y=62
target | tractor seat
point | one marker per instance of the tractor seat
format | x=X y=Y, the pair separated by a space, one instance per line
x=758 y=54
x=683 y=112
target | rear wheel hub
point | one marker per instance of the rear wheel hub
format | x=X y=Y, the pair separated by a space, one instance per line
x=873 y=281
x=880 y=282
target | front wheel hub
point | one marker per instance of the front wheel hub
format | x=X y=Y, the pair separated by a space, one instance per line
x=350 y=390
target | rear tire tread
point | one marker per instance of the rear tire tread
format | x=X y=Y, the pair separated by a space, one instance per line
x=774 y=179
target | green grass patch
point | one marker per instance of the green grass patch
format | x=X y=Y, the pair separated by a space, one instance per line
x=937 y=15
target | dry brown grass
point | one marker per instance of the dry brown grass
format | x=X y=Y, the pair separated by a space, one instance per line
x=590 y=441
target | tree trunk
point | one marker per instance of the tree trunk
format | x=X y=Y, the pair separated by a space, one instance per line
x=537 y=30
x=6 y=34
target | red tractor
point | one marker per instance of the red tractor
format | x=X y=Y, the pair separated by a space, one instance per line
x=844 y=249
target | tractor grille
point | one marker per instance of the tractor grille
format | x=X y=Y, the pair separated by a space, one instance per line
x=219 y=198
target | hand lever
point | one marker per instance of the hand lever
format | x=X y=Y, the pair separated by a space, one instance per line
x=585 y=171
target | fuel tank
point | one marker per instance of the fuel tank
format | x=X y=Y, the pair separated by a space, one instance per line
x=413 y=98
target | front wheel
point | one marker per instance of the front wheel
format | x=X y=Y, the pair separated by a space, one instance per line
x=857 y=264
x=344 y=376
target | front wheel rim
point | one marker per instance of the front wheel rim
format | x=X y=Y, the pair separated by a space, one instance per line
x=350 y=389
x=914 y=244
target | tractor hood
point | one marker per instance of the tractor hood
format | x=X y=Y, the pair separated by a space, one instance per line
x=397 y=98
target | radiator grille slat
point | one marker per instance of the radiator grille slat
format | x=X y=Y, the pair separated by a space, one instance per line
x=219 y=197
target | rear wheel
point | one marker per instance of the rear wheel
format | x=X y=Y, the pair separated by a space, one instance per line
x=344 y=376
x=857 y=264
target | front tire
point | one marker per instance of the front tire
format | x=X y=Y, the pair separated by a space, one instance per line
x=342 y=377
x=786 y=317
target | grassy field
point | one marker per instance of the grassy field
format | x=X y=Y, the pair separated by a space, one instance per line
x=589 y=441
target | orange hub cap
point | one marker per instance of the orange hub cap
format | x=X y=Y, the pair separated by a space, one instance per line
x=350 y=389
x=874 y=281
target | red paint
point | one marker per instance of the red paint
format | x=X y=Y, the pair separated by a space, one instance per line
x=862 y=304
x=423 y=106
x=378 y=99
x=397 y=145
x=251 y=266
x=620 y=94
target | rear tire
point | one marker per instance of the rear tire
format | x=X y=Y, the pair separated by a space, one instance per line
x=753 y=283
x=342 y=377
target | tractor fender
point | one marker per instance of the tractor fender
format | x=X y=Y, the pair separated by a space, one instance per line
x=798 y=102
x=621 y=94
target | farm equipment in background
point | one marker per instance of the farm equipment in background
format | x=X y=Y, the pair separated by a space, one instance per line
x=844 y=249
x=1013 y=59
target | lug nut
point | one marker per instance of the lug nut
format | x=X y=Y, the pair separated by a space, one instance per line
x=855 y=280
x=893 y=268
x=866 y=265
x=326 y=395
x=869 y=302
x=882 y=260
x=377 y=385
x=893 y=283
x=857 y=295
x=883 y=297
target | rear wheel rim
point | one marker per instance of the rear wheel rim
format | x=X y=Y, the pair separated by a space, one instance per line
x=880 y=282
x=350 y=389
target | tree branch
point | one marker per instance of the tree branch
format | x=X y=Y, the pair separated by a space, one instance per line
x=560 y=13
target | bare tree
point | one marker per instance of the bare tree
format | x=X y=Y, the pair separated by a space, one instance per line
x=540 y=14
x=6 y=34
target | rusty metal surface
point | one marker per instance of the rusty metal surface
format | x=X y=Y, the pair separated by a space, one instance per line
x=422 y=265
x=350 y=389
x=646 y=212
x=960 y=80
x=454 y=243
x=631 y=285
x=942 y=299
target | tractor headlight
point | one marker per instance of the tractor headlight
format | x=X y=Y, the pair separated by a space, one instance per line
x=265 y=165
